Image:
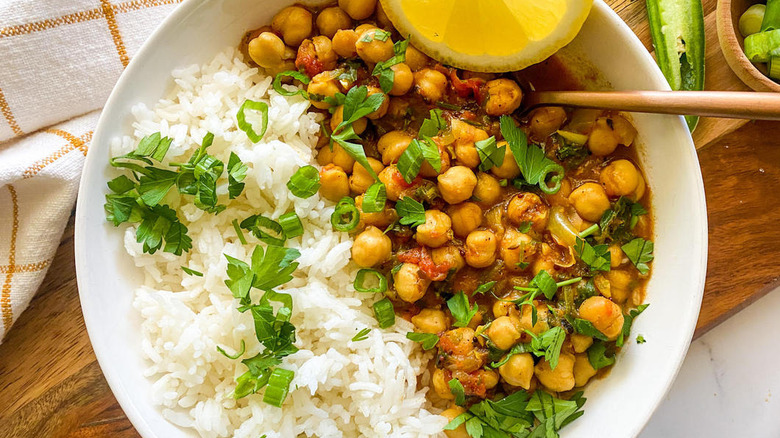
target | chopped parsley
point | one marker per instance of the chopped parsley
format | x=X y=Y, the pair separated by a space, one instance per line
x=410 y=212
x=357 y=104
x=640 y=339
x=428 y=340
x=597 y=258
x=536 y=168
x=383 y=70
x=461 y=310
x=456 y=388
x=490 y=155
x=640 y=252
x=628 y=319
x=599 y=356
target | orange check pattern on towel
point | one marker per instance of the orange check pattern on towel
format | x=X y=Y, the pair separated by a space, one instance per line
x=60 y=60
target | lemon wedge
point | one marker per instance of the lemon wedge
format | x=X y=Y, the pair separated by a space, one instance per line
x=488 y=35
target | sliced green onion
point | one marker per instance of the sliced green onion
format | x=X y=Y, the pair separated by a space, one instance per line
x=362 y=278
x=384 y=313
x=448 y=106
x=245 y=126
x=750 y=21
x=291 y=224
x=774 y=67
x=265 y=229
x=346 y=215
x=239 y=233
x=375 y=198
x=588 y=231
x=238 y=354
x=291 y=74
x=557 y=172
x=305 y=182
x=278 y=387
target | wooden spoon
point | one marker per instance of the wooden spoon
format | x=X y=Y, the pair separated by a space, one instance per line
x=727 y=104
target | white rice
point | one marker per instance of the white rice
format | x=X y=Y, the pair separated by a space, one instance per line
x=341 y=388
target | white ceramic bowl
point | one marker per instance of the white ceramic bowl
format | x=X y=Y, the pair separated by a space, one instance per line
x=618 y=406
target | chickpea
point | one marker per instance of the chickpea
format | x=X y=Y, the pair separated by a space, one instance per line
x=516 y=249
x=344 y=43
x=488 y=190
x=506 y=307
x=392 y=145
x=410 y=282
x=449 y=256
x=590 y=201
x=358 y=125
x=528 y=207
x=583 y=370
x=334 y=183
x=561 y=378
x=504 y=97
x=323 y=51
x=620 y=178
x=381 y=219
x=466 y=217
x=331 y=20
x=337 y=156
x=602 y=140
x=431 y=321
x=324 y=85
x=621 y=285
x=460 y=431
x=508 y=169
x=605 y=315
x=371 y=247
x=403 y=79
x=398 y=108
x=382 y=110
x=266 y=50
x=580 y=343
x=503 y=332
x=416 y=59
x=364 y=27
x=489 y=378
x=435 y=232
x=373 y=50
x=440 y=383
x=391 y=178
x=546 y=120
x=457 y=184
x=518 y=370
x=358 y=9
x=465 y=136
x=361 y=180
x=460 y=341
x=640 y=190
x=430 y=84
x=294 y=23
x=481 y=248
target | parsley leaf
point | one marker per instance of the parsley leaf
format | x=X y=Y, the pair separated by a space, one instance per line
x=428 y=340
x=461 y=310
x=433 y=125
x=536 y=168
x=596 y=257
x=410 y=212
x=193 y=272
x=489 y=154
x=121 y=184
x=585 y=327
x=411 y=160
x=456 y=388
x=554 y=413
x=236 y=174
x=516 y=349
x=598 y=355
x=159 y=225
x=383 y=70
x=548 y=344
x=485 y=287
x=627 y=321
x=545 y=283
x=617 y=223
x=640 y=252
x=357 y=104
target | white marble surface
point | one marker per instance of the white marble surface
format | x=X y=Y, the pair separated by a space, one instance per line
x=729 y=384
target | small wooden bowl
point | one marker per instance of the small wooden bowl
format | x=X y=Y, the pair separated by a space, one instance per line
x=731 y=44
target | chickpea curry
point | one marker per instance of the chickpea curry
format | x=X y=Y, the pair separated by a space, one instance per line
x=517 y=244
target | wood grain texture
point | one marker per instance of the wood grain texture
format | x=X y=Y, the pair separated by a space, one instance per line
x=51 y=385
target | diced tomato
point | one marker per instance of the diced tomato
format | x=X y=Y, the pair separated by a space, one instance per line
x=422 y=258
x=473 y=384
x=398 y=178
x=467 y=87
x=307 y=60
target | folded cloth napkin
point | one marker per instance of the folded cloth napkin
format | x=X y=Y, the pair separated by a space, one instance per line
x=59 y=60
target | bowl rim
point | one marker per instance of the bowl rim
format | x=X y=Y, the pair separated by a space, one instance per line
x=157 y=37
x=734 y=52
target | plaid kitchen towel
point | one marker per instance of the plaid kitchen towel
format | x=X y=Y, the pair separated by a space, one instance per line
x=59 y=60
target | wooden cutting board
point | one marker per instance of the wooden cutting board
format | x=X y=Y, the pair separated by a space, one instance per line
x=51 y=385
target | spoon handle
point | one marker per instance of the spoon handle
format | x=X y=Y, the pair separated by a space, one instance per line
x=728 y=104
